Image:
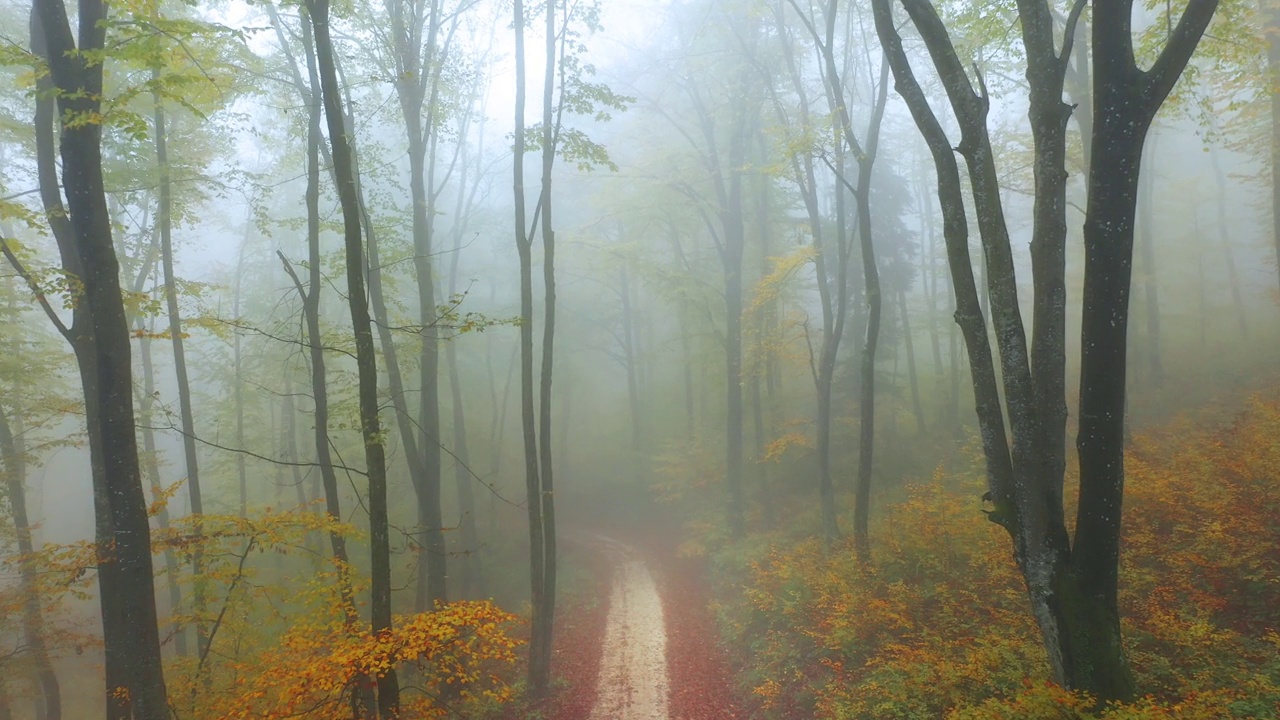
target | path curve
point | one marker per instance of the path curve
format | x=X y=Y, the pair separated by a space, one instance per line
x=633 y=682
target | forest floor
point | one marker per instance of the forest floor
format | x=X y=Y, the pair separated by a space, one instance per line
x=646 y=648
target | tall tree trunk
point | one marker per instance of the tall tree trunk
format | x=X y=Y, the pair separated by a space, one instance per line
x=13 y=457
x=1224 y=237
x=151 y=469
x=538 y=676
x=431 y=588
x=164 y=221
x=834 y=304
x=416 y=57
x=471 y=575
x=1271 y=31
x=366 y=362
x=865 y=155
x=732 y=264
x=633 y=382
x=916 y=405
x=237 y=363
x=99 y=334
x=866 y=406
x=549 y=132
x=1147 y=256
x=289 y=432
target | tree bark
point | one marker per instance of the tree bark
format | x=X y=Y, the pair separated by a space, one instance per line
x=164 y=222
x=1126 y=101
x=151 y=469
x=1147 y=256
x=549 y=131
x=366 y=362
x=834 y=305
x=913 y=380
x=538 y=675
x=1271 y=31
x=865 y=155
x=1228 y=253
x=99 y=334
x=13 y=457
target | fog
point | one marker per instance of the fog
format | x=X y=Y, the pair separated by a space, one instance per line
x=682 y=358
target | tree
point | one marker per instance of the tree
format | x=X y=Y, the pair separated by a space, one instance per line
x=1072 y=585
x=164 y=224
x=864 y=154
x=362 y=326
x=99 y=335
x=418 y=65
x=13 y=466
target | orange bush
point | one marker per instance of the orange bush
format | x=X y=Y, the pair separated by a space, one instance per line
x=938 y=624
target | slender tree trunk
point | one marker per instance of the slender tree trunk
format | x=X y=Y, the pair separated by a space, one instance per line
x=633 y=382
x=366 y=362
x=733 y=354
x=1271 y=31
x=834 y=304
x=1147 y=256
x=538 y=675
x=431 y=588
x=686 y=352
x=865 y=157
x=1228 y=254
x=766 y=320
x=237 y=364
x=164 y=221
x=13 y=457
x=548 y=347
x=918 y=408
x=470 y=575
x=289 y=431
x=416 y=57
x=866 y=433
x=151 y=469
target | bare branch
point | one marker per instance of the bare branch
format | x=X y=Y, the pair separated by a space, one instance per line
x=35 y=289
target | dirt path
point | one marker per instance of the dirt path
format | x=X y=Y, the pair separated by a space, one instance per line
x=633 y=670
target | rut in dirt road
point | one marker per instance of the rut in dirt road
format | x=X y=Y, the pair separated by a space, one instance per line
x=633 y=671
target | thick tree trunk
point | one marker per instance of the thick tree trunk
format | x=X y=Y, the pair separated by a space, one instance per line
x=100 y=338
x=1126 y=101
x=1093 y=659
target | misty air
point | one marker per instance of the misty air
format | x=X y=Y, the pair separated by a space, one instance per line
x=639 y=360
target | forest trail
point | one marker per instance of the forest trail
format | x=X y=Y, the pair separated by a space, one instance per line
x=633 y=682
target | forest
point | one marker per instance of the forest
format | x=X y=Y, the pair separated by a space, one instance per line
x=639 y=359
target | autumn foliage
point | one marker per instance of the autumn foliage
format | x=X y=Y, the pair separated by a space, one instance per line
x=938 y=625
x=293 y=645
